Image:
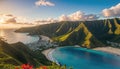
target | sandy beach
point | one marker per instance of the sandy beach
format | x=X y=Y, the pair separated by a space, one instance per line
x=115 y=51
x=47 y=53
x=111 y=50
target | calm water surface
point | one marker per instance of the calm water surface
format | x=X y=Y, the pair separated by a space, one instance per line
x=13 y=37
x=81 y=58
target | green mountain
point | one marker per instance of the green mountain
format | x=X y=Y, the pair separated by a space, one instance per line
x=78 y=36
x=18 y=53
x=88 y=34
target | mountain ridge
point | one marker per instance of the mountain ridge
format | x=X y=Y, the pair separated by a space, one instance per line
x=88 y=34
x=18 y=53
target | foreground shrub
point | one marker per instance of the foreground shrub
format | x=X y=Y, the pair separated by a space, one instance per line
x=28 y=66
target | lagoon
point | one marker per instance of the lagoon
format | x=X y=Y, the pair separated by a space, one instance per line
x=82 y=58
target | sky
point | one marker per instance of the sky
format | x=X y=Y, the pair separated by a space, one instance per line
x=57 y=10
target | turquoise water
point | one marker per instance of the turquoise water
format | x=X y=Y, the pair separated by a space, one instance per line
x=82 y=58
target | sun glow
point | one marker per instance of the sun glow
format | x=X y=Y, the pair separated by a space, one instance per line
x=13 y=26
x=1 y=33
x=1 y=21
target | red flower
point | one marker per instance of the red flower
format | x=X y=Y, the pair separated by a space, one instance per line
x=43 y=67
x=26 y=66
x=16 y=68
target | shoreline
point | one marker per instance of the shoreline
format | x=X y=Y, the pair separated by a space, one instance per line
x=47 y=52
x=48 y=55
x=111 y=50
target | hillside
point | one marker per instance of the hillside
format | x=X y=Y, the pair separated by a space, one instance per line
x=88 y=34
x=18 y=53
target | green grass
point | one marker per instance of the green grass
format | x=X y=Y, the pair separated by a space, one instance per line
x=18 y=53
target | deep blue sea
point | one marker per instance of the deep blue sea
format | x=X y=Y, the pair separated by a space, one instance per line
x=82 y=58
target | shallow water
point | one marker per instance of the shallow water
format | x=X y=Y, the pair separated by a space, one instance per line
x=81 y=58
x=13 y=37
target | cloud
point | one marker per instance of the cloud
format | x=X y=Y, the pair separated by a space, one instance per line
x=10 y=15
x=44 y=3
x=78 y=16
x=8 y=18
x=11 y=20
x=21 y=19
x=114 y=11
x=64 y=18
x=46 y=21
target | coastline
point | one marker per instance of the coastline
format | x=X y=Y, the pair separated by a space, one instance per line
x=111 y=50
x=48 y=55
x=47 y=52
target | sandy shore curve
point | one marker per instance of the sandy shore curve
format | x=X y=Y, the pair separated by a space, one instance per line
x=111 y=50
x=48 y=55
x=114 y=51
